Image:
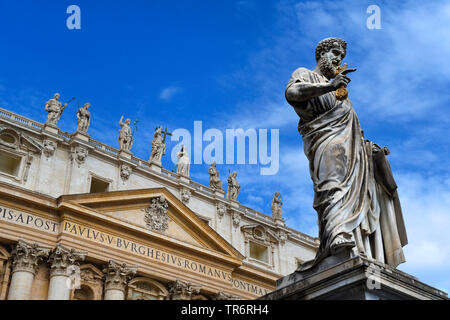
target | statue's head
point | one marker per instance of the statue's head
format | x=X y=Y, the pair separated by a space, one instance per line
x=128 y=121
x=56 y=96
x=213 y=164
x=277 y=194
x=87 y=105
x=329 y=55
x=234 y=174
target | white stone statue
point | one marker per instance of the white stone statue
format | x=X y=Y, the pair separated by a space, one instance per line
x=233 y=187
x=84 y=118
x=354 y=191
x=54 y=109
x=183 y=162
x=214 y=180
x=158 y=147
x=276 y=206
x=125 y=135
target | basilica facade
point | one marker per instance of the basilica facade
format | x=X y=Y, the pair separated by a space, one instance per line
x=83 y=220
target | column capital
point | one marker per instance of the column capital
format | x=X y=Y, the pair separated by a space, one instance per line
x=62 y=258
x=225 y=296
x=182 y=290
x=26 y=256
x=117 y=275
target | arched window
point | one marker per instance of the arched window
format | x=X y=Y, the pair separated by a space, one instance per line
x=84 y=293
x=146 y=289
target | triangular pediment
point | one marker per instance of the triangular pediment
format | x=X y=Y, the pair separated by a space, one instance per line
x=157 y=212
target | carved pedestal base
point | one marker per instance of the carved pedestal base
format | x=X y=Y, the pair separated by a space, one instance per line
x=155 y=166
x=50 y=128
x=349 y=277
x=125 y=154
x=81 y=136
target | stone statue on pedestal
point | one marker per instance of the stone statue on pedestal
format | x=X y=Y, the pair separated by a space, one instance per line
x=54 y=109
x=184 y=163
x=84 y=118
x=158 y=147
x=276 y=206
x=214 y=180
x=354 y=191
x=233 y=187
x=125 y=135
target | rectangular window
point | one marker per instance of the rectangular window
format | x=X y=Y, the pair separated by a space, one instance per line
x=98 y=185
x=9 y=164
x=259 y=252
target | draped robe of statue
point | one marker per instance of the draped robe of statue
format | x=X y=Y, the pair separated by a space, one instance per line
x=350 y=196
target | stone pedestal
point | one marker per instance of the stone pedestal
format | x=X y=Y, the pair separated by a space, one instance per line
x=219 y=193
x=349 y=277
x=155 y=166
x=50 y=128
x=81 y=136
x=125 y=154
x=234 y=204
x=184 y=179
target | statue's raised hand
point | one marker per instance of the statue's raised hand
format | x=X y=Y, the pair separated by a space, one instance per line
x=341 y=80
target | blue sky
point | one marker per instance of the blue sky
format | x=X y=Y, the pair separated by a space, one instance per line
x=226 y=63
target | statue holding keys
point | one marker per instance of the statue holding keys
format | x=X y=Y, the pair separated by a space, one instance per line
x=354 y=191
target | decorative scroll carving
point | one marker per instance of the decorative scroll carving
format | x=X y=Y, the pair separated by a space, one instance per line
x=221 y=210
x=49 y=148
x=27 y=256
x=225 y=296
x=62 y=260
x=125 y=172
x=185 y=195
x=156 y=215
x=79 y=154
x=118 y=275
x=181 y=290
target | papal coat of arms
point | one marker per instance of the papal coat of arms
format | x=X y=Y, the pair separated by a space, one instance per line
x=156 y=215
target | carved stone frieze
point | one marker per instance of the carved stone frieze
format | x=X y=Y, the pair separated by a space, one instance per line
x=156 y=215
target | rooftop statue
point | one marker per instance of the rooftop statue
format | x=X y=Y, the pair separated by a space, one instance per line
x=184 y=163
x=276 y=206
x=125 y=135
x=158 y=147
x=54 y=109
x=84 y=118
x=233 y=187
x=214 y=180
x=354 y=191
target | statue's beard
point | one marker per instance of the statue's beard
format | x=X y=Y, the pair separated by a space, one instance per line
x=326 y=67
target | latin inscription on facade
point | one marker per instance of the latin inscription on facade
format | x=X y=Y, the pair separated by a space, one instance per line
x=161 y=256
x=28 y=219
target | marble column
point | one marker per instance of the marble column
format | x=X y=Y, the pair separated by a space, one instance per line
x=117 y=277
x=64 y=269
x=182 y=290
x=25 y=262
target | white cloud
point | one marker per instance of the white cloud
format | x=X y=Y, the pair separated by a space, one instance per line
x=168 y=93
